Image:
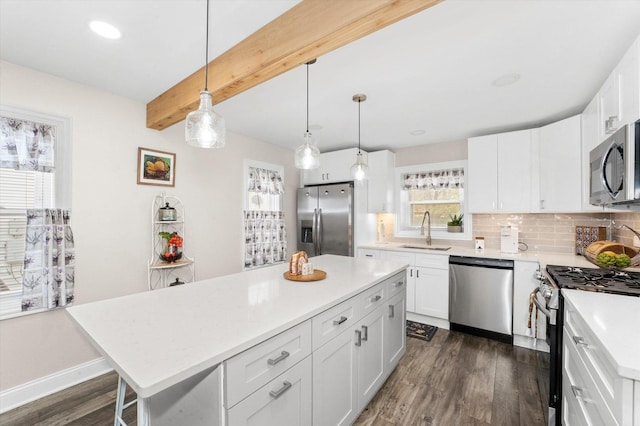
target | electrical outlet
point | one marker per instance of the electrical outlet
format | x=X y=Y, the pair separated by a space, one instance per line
x=636 y=241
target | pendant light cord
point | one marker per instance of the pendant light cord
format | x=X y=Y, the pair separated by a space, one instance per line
x=307 y=97
x=359 y=102
x=206 y=55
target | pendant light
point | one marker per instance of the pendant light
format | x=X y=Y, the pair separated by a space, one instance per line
x=204 y=128
x=307 y=155
x=359 y=169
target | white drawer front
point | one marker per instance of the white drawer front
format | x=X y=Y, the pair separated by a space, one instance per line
x=328 y=324
x=592 y=353
x=582 y=386
x=401 y=256
x=370 y=253
x=285 y=401
x=372 y=298
x=396 y=284
x=256 y=366
x=435 y=261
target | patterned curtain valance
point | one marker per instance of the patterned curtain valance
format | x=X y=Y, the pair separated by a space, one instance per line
x=26 y=145
x=436 y=179
x=265 y=181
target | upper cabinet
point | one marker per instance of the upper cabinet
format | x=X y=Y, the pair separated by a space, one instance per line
x=381 y=181
x=334 y=167
x=499 y=172
x=559 y=171
x=619 y=96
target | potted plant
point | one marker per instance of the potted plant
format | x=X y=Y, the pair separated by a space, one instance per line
x=455 y=223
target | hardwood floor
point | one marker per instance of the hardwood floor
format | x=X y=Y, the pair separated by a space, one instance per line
x=456 y=379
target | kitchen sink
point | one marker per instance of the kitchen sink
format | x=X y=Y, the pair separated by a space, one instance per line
x=421 y=247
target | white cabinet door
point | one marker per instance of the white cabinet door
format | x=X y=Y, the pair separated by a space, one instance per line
x=629 y=80
x=560 y=171
x=590 y=136
x=370 y=355
x=524 y=282
x=409 y=258
x=514 y=171
x=381 y=181
x=334 y=167
x=394 y=332
x=432 y=292
x=610 y=105
x=285 y=401
x=334 y=381
x=482 y=179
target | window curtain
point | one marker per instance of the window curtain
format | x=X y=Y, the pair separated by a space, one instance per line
x=265 y=238
x=264 y=228
x=437 y=179
x=49 y=260
x=26 y=145
x=265 y=181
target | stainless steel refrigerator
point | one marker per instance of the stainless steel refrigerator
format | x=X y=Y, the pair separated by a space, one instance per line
x=325 y=219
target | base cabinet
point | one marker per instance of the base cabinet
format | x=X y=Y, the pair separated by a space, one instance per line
x=350 y=368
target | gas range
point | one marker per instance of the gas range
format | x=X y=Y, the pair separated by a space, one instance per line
x=595 y=279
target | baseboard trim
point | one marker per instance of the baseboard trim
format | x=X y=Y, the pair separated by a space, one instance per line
x=36 y=389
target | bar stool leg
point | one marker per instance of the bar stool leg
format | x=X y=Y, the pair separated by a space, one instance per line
x=120 y=405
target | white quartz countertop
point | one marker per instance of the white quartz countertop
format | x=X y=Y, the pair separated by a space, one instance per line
x=159 y=338
x=528 y=256
x=614 y=319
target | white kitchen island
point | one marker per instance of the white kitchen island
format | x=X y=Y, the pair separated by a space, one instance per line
x=195 y=353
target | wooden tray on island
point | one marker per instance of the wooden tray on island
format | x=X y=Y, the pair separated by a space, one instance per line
x=317 y=275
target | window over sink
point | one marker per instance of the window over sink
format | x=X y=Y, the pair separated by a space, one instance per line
x=437 y=188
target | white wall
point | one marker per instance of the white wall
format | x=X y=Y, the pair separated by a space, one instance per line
x=111 y=213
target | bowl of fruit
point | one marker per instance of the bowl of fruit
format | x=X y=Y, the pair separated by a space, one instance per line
x=173 y=247
x=612 y=255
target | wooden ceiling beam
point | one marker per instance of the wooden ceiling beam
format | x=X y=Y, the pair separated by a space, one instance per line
x=308 y=30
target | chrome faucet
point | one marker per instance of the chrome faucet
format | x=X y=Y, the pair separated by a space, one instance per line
x=426 y=215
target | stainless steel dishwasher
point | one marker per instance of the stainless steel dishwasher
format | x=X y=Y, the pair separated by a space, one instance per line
x=481 y=297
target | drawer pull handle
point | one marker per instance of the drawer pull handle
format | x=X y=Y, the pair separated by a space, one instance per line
x=358 y=338
x=365 y=333
x=368 y=255
x=399 y=284
x=577 y=392
x=282 y=356
x=340 y=321
x=376 y=298
x=392 y=312
x=579 y=341
x=278 y=393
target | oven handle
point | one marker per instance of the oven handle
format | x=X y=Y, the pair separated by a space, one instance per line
x=544 y=310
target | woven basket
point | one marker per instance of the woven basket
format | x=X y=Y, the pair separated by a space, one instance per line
x=594 y=249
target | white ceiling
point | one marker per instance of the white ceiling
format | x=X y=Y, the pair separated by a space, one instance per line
x=432 y=71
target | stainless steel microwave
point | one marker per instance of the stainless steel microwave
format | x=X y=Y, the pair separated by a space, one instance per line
x=614 y=167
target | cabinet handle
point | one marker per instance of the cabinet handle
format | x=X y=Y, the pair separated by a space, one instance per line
x=365 y=333
x=577 y=392
x=579 y=341
x=327 y=176
x=376 y=298
x=493 y=205
x=340 y=321
x=392 y=312
x=417 y=273
x=282 y=356
x=411 y=273
x=359 y=338
x=368 y=255
x=278 y=393
x=609 y=124
x=541 y=204
x=398 y=284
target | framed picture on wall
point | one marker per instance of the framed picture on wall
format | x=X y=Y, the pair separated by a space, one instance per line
x=156 y=167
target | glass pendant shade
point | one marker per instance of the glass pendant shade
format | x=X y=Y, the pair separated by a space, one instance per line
x=204 y=128
x=359 y=170
x=307 y=155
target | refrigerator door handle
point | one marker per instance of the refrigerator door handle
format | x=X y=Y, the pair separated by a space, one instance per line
x=314 y=229
x=319 y=233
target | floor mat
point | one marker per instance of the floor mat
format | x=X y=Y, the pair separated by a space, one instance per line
x=420 y=331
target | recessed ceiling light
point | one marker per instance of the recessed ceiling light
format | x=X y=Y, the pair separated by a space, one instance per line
x=505 y=80
x=105 y=30
x=417 y=132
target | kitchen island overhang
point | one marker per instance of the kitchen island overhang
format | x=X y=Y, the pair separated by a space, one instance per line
x=157 y=339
